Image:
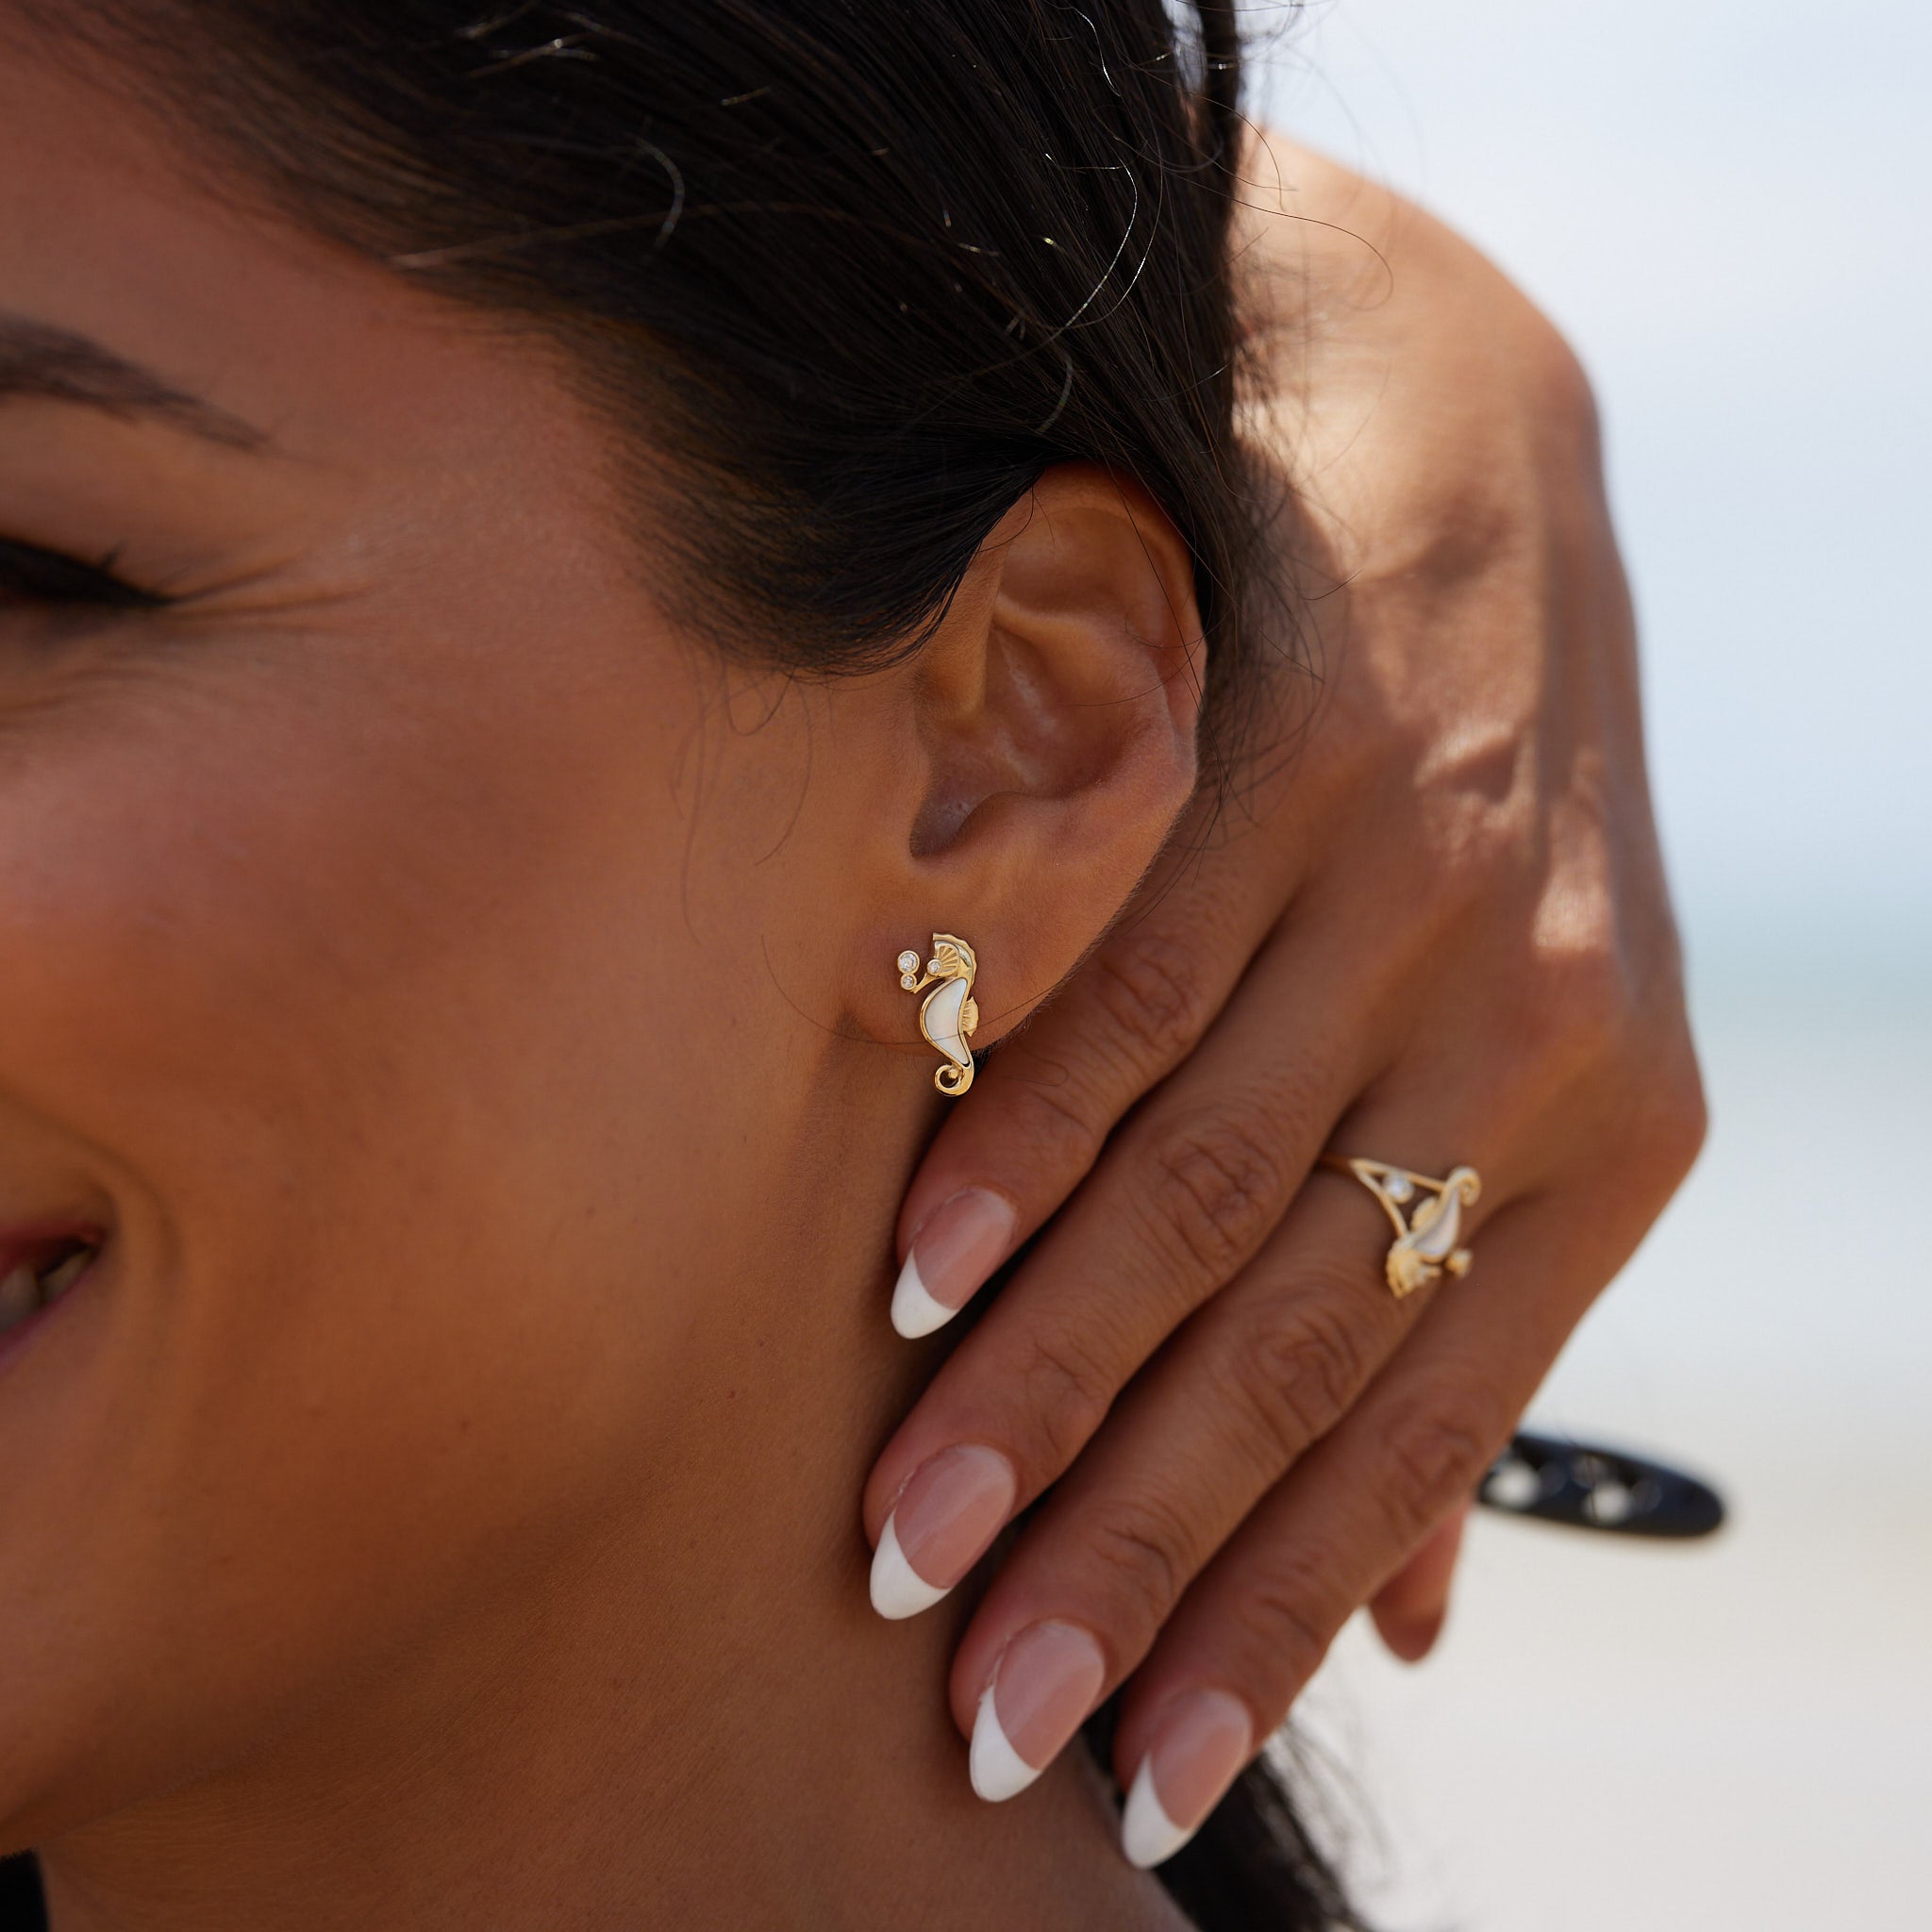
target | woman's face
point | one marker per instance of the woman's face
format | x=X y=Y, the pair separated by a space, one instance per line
x=379 y=960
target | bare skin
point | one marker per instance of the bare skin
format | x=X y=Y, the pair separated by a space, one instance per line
x=433 y=1506
x=1433 y=929
x=282 y=866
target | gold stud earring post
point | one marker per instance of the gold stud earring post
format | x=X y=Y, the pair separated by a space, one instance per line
x=948 y=1015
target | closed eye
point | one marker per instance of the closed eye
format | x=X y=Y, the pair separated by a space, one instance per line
x=31 y=575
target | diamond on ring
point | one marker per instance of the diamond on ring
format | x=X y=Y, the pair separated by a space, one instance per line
x=1426 y=1237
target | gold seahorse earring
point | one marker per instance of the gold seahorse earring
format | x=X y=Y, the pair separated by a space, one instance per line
x=948 y=1015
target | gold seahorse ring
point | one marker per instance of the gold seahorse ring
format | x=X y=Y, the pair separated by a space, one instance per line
x=1425 y=1214
x=948 y=1015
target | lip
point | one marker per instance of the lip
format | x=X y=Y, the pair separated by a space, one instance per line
x=30 y=1241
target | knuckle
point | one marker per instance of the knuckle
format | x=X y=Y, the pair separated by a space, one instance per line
x=1218 y=1184
x=1147 y=1553
x=1438 y=1455
x=1066 y=1384
x=1591 y=960
x=1296 y=1374
x=1480 y=841
x=1592 y=1003
x=1686 y=1115
x=1566 y=392
x=1557 y=379
x=1150 y=986
x=1674 y=1119
x=1576 y=1024
x=1284 y=1621
x=1059 y=1124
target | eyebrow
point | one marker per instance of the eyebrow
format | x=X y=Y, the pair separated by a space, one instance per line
x=41 y=361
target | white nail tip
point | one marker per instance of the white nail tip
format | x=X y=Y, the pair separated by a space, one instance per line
x=999 y=1771
x=915 y=1310
x=897 y=1588
x=1148 y=1835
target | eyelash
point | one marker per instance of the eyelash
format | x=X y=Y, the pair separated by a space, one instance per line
x=29 y=574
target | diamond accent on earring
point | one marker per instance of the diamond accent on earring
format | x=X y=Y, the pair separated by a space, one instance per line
x=908 y=961
x=1398 y=1187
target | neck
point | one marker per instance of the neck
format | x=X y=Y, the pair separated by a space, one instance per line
x=683 y=1711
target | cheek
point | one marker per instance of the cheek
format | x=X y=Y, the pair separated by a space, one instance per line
x=343 y=1022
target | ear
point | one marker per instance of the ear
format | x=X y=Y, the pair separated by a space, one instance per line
x=1043 y=747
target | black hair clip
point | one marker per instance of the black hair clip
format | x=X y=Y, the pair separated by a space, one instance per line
x=1587 y=1488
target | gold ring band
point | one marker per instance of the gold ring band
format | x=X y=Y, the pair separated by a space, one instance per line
x=1425 y=1214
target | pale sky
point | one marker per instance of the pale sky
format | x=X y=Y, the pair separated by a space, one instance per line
x=1728 y=207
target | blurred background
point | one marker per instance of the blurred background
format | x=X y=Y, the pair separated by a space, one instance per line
x=1726 y=205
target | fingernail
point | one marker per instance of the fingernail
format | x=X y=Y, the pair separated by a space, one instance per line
x=940 y=1527
x=1044 y=1684
x=1203 y=1740
x=958 y=1244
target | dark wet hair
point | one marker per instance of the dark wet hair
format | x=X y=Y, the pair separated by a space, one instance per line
x=856 y=271
x=850 y=274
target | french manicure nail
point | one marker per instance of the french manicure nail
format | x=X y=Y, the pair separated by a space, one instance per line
x=1044 y=1684
x=958 y=1244
x=1204 y=1739
x=940 y=1527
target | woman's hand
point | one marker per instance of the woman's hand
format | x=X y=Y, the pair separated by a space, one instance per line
x=1427 y=924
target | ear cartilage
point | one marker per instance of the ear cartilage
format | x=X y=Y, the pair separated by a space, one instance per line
x=948 y=1015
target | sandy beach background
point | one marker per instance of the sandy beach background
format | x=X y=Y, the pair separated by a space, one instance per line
x=1728 y=207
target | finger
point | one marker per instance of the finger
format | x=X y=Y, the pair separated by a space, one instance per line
x=1258 y=1620
x=1041 y=1108
x=1191 y=1188
x=1411 y=1608
x=1285 y=1350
